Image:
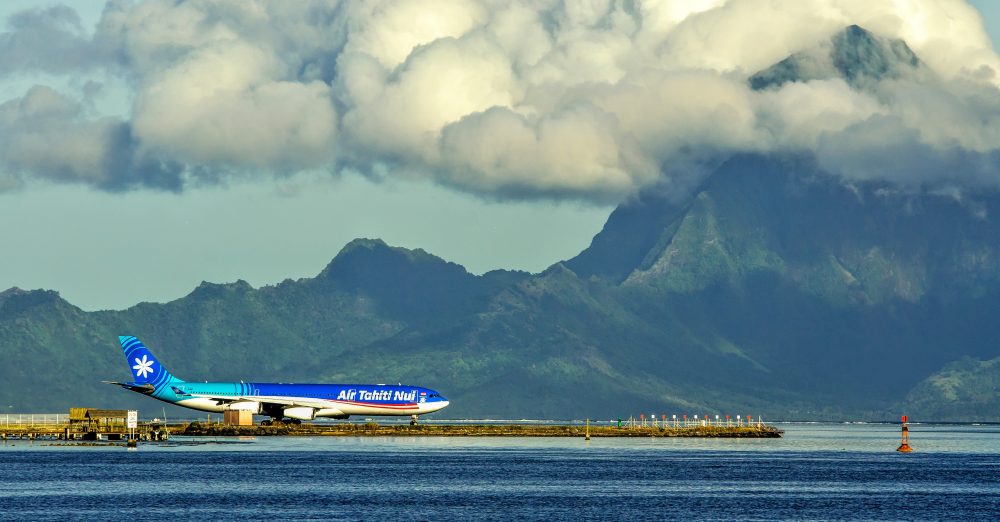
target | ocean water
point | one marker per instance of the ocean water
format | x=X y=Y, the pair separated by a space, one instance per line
x=817 y=471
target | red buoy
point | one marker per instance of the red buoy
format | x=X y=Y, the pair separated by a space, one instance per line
x=905 y=446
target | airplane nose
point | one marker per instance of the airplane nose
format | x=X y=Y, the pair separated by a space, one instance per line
x=442 y=404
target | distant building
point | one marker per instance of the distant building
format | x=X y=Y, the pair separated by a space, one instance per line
x=98 y=420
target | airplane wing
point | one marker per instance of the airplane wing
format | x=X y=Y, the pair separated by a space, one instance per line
x=284 y=402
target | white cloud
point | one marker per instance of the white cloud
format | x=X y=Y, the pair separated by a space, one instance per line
x=437 y=85
x=797 y=114
x=227 y=104
x=391 y=30
x=46 y=134
x=588 y=100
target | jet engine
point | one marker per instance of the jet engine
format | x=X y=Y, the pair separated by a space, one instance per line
x=300 y=413
x=251 y=406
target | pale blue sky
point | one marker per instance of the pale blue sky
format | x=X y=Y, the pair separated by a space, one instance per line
x=104 y=250
x=112 y=250
x=990 y=10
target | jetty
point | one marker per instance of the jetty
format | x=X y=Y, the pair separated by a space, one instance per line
x=87 y=424
x=94 y=424
x=372 y=429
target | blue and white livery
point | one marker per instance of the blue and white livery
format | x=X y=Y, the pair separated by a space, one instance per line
x=279 y=401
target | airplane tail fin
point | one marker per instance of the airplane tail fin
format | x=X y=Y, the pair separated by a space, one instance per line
x=145 y=368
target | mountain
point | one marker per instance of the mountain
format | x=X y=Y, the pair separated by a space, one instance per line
x=962 y=390
x=774 y=288
x=853 y=292
x=856 y=55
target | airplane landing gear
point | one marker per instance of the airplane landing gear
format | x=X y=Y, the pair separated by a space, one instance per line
x=413 y=420
x=280 y=422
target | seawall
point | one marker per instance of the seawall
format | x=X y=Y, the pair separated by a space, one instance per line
x=372 y=429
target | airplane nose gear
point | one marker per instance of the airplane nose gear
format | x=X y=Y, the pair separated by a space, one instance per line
x=413 y=420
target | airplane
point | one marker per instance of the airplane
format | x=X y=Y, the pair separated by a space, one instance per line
x=296 y=402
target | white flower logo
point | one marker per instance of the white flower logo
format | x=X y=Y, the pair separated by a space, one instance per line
x=143 y=368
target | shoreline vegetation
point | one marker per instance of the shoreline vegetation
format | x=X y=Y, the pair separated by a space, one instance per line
x=372 y=429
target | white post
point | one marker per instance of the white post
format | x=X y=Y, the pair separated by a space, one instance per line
x=132 y=420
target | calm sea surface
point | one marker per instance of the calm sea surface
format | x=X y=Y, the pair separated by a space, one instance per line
x=819 y=471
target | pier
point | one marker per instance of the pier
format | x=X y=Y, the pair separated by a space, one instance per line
x=372 y=429
x=91 y=424
x=88 y=424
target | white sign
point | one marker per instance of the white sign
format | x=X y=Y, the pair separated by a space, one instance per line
x=133 y=419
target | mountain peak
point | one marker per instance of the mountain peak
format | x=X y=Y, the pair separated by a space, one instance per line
x=858 y=56
x=405 y=283
x=361 y=254
x=207 y=290
x=15 y=300
x=363 y=243
x=632 y=230
x=785 y=217
x=11 y=291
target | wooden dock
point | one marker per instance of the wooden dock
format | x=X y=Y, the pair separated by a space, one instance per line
x=93 y=424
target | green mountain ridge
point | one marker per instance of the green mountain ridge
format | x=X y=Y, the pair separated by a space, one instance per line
x=774 y=290
x=960 y=391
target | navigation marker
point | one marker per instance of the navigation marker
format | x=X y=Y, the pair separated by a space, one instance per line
x=905 y=446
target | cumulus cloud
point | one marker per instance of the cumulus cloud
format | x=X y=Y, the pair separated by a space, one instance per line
x=50 y=39
x=228 y=105
x=45 y=134
x=589 y=100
